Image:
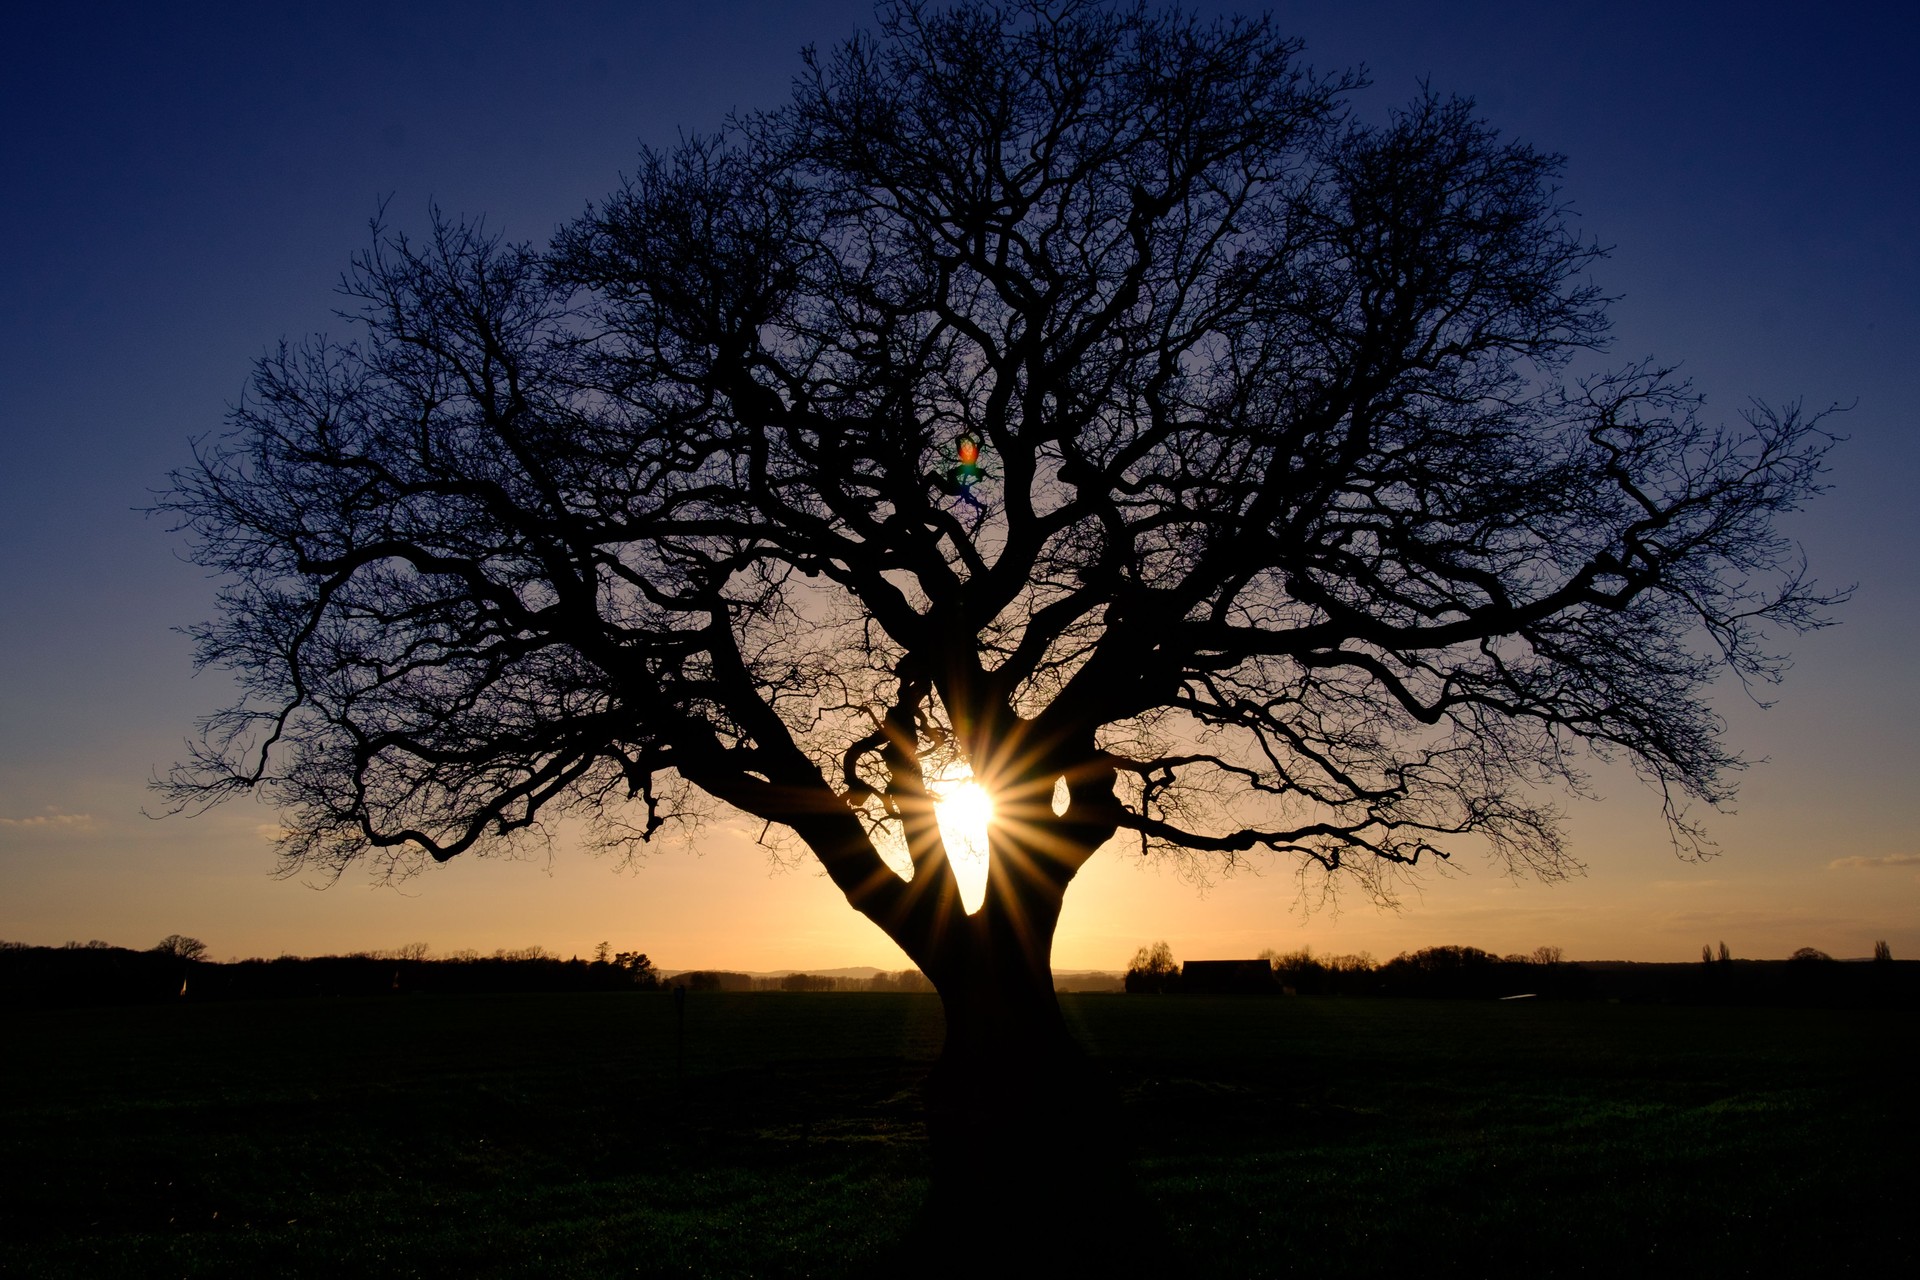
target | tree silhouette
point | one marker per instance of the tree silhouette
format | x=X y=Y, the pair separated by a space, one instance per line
x=179 y=946
x=1152 y=968
x=1082 y=399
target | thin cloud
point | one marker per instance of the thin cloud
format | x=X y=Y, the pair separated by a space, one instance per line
x=1891 y=860
x=53 y=820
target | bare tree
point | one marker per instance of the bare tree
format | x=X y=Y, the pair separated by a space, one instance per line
x=180 y=947
x=1082 y=399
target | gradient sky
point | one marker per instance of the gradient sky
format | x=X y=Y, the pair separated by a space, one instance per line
x=183 y=189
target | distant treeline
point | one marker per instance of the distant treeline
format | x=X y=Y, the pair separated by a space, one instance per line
x=177 y=969
x=96 y=973
x=1810 y=977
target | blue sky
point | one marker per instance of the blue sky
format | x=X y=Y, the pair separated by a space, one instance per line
x=184 y=186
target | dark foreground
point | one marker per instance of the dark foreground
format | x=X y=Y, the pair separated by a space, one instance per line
x=566 y=1136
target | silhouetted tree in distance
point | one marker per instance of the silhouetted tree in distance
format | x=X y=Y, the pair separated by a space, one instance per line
x=1295 y=534
x=1303 y=973
x=1152 y=968
x=179 y=946
x=638 y=966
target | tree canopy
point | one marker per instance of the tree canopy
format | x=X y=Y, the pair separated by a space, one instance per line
x=1303 y=520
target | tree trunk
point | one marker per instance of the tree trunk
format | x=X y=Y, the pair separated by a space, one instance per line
x=1017 y=1115
x=1006 y=1075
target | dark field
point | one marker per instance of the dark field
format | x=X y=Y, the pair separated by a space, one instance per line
x=554 y=1135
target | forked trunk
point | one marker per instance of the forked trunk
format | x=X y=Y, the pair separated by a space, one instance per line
x=1029 y=1172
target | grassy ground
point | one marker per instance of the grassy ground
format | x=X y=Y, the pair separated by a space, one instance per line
x=568 y=1135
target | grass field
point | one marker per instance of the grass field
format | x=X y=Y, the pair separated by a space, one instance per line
x=566 y=1135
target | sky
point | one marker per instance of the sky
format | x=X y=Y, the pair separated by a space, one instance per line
x=184 y=185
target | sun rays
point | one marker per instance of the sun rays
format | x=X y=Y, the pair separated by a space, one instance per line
x=997 y=831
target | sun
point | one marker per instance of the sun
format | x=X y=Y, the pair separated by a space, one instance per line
x=967 y=806
x=964 y=809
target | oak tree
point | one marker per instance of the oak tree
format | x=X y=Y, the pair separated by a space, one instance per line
x=1086 y=401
